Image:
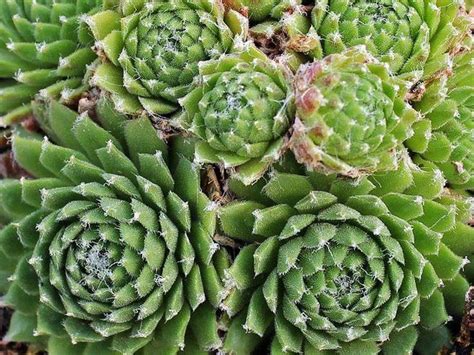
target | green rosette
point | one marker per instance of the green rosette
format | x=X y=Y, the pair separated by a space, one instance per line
x=241 y=112
x=336 y=265
x=109 y=248
x=414 y=38
x=445 y=137
x=45 y=47
x=152 y=50
x=351 y=115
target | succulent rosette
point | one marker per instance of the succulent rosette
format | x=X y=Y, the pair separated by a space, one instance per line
x=44 y=47
x=241 y=111
x=351 y=115
x=152 y=49
x=413 y=37
x=445 y=137
x=109 y=248
x=337 y=264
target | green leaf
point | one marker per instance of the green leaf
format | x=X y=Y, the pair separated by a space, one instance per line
x=187 y=182
x=104 y=22
x=239 y=341
x=454 y=292
x=259 y=316
x=21 y=328
x=170 y=336
x=265 y=256
x=20 y=300
x=195 y=288
x=49 y=322
x=31 y=189
x=142 y=138
x=433 y=311
x=155 y=169
x=237 y=220
x=288 y=255
x=124 y=343
x=57 y=120
x=179 y=211
x=270 y=221
x=115 y=162
x=427 y=241
x=27 y=153
x=289 y=337
x=92 y=137
x=315 y=201
x=174 y=300
x=11 y=204
x=203 y=325
x=287 y=188
x=241 y=271
x=430 y=341
x=57 y=346
x=446 y=263
x=404 y=206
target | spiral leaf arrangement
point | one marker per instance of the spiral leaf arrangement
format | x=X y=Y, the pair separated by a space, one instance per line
x=241 y=111
x=339 y=264
x=351 y=116
x=111 y=244
x=445 y=136
x=153 y=50
x=413 y=37
x=44 y=45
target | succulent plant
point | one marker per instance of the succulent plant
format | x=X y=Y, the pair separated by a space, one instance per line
x=341 y=264
x=153 y=49
x=241 y=111
x=445 y=136
x=110 y=246
x=259 y=11
x=236 y=176
x=44 y=47
x=351 y=115
x=278 y=27
x=282 y=36
x=413 y=37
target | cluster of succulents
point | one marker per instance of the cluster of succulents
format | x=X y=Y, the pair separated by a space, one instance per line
x=154 y=50
x=413 y=38
x=237 y=176
x=45 y=47
x=444 y=136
